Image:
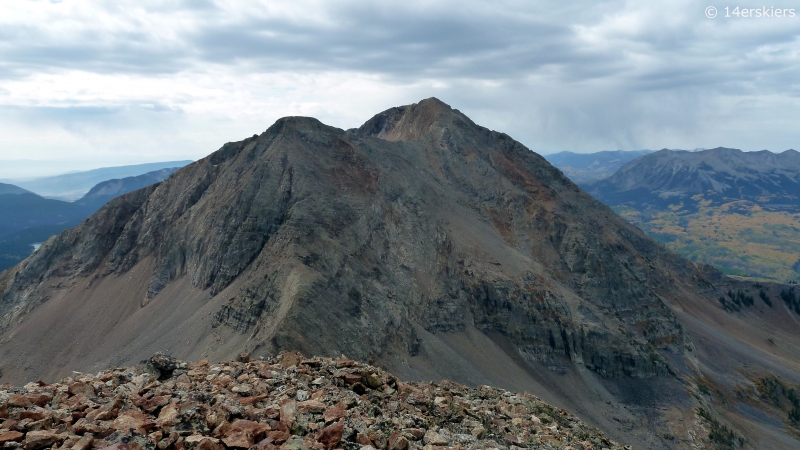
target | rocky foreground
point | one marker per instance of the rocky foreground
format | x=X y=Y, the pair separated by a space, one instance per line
x=286 y=402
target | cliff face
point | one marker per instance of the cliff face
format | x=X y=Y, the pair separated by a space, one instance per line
x=406 y=237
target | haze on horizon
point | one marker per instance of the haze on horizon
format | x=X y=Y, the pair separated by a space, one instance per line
x=136 y=81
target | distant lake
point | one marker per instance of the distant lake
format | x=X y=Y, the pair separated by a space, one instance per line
x=36 y=245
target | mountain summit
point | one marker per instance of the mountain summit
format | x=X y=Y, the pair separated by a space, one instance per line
x=421 y=242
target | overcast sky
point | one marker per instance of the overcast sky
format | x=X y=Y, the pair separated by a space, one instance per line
x=140 y=80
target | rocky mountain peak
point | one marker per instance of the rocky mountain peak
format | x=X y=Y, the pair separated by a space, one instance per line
x=408 y=123
x=299 y=124
x=436 y=227
x=420 y=241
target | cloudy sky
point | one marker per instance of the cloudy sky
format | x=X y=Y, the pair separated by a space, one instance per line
x=143 y=80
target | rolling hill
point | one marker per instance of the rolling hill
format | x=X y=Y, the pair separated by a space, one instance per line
x=11 y=189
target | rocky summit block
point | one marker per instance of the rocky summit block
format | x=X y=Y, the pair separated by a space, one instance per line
x=286 y=402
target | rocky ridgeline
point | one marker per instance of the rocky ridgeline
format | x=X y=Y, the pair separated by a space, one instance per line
x=286 y=402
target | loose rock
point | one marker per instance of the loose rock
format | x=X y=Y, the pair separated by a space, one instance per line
x=347 y=405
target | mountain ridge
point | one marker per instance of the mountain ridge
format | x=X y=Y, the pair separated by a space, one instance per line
x=12 y=189
x=101 y=193
x=720 y=169
x=28 y=218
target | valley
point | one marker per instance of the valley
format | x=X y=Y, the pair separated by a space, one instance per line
x=585 y=168
x=738 y=237
x=734 y=210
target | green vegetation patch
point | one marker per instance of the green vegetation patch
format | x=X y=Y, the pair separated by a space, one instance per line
x=720 y=435
x=781 y=394
x=739 y=238
x=792 y=301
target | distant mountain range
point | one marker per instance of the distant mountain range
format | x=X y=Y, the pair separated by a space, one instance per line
x=100 y=194
x=72 y=186
x=766 y=177
x=587 y=167
x=739 y=211
x=11 y=189
x=27 y=218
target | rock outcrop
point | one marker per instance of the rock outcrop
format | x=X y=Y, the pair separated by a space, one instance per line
x=286 y=402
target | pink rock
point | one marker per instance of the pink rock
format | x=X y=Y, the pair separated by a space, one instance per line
x=335 y=412
x=330 y=436
x=11 y=436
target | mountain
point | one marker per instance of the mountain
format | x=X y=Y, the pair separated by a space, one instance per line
x=27 y=218
x=72 y=186
x=736 y=210
x=103 y=192
x=730 y=172
x=584 y=168
x=427 y=245
x=11 y=189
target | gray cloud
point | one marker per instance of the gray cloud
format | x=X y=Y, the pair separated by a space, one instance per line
x=584 y=76
x=498 y=43
x=398 y=45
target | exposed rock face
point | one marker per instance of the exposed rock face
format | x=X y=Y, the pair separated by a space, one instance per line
x=288 y=402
